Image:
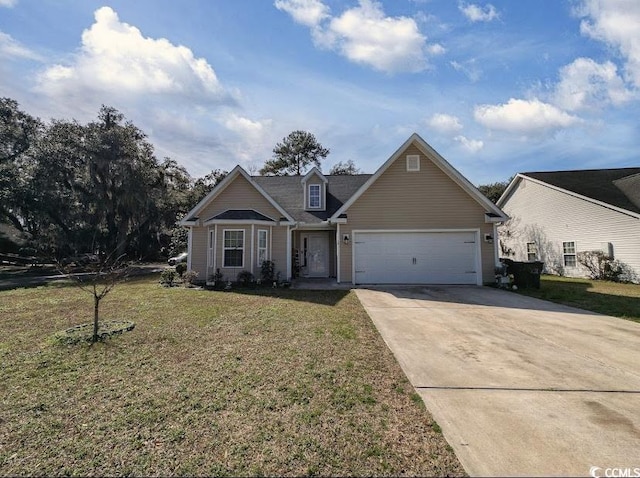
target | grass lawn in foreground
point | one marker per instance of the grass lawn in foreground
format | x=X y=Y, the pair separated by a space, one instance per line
x=275 y=382
x=609 y=298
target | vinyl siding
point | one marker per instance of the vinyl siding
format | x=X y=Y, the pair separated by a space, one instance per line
x=548 y=217
x=239 y=194
x=425 y=199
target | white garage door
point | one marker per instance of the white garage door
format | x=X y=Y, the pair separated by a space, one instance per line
x=415 y=257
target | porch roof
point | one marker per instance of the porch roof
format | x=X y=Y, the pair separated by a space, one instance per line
x=241 y=215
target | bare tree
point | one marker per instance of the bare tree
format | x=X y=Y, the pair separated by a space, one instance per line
x=98 y=277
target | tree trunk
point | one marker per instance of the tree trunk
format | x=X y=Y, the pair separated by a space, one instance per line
x=96 y=304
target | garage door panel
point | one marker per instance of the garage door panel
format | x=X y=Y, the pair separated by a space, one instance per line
x=415 y=257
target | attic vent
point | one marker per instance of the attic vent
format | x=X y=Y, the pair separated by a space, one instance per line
x=413 y=162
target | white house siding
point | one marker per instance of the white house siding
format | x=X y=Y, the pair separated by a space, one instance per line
x=548 y=217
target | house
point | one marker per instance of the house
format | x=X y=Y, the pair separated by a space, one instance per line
x=555 y=215
x=416 y=220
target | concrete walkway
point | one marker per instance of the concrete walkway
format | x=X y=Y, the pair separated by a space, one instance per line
x=520 y=386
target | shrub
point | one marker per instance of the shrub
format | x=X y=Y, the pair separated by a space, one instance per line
x=188 y=278
x=181 y=268
x=168 y=277
x=602 y=267
x=267 y=272
x=245 y=278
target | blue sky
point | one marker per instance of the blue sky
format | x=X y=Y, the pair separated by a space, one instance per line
x=496 y=88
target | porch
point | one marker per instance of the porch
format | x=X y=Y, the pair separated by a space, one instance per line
x=314 y=254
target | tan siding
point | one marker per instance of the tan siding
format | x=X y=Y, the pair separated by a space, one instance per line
x=240 y=194
x=199 y=251
x=425 y=199
x=279 y=250
x=548 y=217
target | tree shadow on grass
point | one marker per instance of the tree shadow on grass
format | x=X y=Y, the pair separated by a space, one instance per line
x=583 y=294
x=322 y=297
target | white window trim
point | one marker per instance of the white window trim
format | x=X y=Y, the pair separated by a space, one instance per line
x=265 y=248
x=225 y=249
x=319 y=186
x=574 y=254
x=535 y=251
x=410 y=165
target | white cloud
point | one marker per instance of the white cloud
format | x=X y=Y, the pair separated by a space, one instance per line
x=305 y=12
x=8 y=3
x=476 y=13
x=244 y=126
x=444 y=123
x=469 y=68
x=471 y=145
x=615 y=22
x=9 y=47
x=116 y=58
x=527 y=117
x=585 y=84
x=365 y=35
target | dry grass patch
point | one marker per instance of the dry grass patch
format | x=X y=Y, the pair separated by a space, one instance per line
x=208 y=383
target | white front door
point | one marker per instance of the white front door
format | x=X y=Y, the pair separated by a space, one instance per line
x=318 y=255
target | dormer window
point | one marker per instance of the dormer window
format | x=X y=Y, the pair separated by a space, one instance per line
x=314 y=196
x=314 y=187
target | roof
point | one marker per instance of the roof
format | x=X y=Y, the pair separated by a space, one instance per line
x=241 y=214
x=288 y=191
x=597 y=184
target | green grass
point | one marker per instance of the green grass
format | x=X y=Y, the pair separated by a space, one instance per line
x=282 y=382
x=610 y=298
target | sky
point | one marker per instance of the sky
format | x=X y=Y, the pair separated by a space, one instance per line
x=496 y=88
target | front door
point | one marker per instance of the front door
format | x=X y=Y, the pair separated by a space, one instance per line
x=318 y=255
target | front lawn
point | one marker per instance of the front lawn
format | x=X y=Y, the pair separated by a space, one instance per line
x=281 y=382
x=610 y=298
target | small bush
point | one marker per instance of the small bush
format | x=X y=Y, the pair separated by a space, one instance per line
x=188 y=278
x=168 y=277
x=245 y=278
x=181 y=268
x=267 y=271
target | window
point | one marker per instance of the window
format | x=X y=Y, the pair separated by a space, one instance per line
x=314 y=195
x=413 y=162
x=569 y=254
x=233 y=248
x=532 y=251
x=262 y=246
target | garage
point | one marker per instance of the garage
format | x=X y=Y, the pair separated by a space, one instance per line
x=416 y=257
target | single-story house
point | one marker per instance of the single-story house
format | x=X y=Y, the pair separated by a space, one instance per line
x=416 y=220
x=557 y=214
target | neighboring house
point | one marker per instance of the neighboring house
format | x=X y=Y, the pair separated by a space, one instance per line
x=416 y=220
x=555 y=215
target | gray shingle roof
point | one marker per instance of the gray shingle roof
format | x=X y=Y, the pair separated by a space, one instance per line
x=598 y=184
x=288 y=192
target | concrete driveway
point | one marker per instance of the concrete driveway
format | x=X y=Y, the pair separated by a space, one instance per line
x=519 y=386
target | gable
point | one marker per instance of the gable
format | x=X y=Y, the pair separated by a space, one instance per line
x=239 y=194
x=416 y=176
